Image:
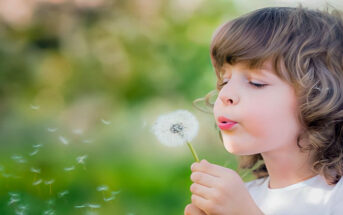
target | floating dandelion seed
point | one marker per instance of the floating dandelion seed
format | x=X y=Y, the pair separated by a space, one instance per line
x=113 y=193
x=102 y=188
x=69 y=168
x=50 y=182
x=35 y=107
x=49 y=212
x=34 y=152
x=78 y=131
x=87 y=141
x=52 y=130
x=18 y=158
x=36 y=146
x=34 y=170
x=81 y=159
x=105 y=122
x=176 y=128
x=109 y=198
x=63 y=193
x=37 y=182
x=63 y=140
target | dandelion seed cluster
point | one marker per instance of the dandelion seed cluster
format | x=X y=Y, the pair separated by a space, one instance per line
x=176 y=128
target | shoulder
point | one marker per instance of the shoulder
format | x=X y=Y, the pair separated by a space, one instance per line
x=336 y=203
x=254 y=184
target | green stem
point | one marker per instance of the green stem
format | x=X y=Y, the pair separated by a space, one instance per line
x=193 y=151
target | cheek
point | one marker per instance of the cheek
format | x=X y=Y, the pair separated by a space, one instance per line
x=273 y=122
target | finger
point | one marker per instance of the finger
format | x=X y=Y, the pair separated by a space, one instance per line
x=200 y=202
x=211 y=169
x=201 y=190
x=191 y=209
x=204 y=179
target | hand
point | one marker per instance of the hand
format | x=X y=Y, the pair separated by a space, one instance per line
x=191 y=209
x=219 y=191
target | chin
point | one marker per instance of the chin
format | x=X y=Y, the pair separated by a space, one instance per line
x=236 y=150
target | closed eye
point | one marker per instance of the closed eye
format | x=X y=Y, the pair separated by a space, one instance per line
x=257 y=85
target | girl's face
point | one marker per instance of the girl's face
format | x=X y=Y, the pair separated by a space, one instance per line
x=266 y=115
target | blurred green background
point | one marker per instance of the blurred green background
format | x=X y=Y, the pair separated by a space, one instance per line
x=81 y=83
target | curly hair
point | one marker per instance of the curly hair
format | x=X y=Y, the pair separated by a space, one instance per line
x=306 y=50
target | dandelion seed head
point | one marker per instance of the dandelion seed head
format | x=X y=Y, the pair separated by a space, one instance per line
x=175 y=128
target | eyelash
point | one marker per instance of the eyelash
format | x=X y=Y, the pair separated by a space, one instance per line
x=252 y=83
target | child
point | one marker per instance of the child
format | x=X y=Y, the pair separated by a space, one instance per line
x=280 y=101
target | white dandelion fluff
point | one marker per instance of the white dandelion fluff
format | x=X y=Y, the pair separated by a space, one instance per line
x=176 y=128
x=105 y=122
x=52 y=129
x=102 y=188
x=81 y=159
x=35 y=107
x=63 y=140
x=39 y=181
x=69 y=168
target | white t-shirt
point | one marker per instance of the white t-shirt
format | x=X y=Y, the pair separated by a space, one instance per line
x=312 y=196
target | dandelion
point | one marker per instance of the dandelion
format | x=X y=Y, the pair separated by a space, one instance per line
x=177 y=128
x=105 y=122
x=63 y=140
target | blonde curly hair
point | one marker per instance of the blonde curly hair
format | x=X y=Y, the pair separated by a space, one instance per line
x=306 y=49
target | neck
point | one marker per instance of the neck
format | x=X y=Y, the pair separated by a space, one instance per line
x=284 y=170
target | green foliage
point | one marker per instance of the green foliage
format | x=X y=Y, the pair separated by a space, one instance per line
x=80 y=80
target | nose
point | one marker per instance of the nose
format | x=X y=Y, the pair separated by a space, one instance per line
x=229 y=99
